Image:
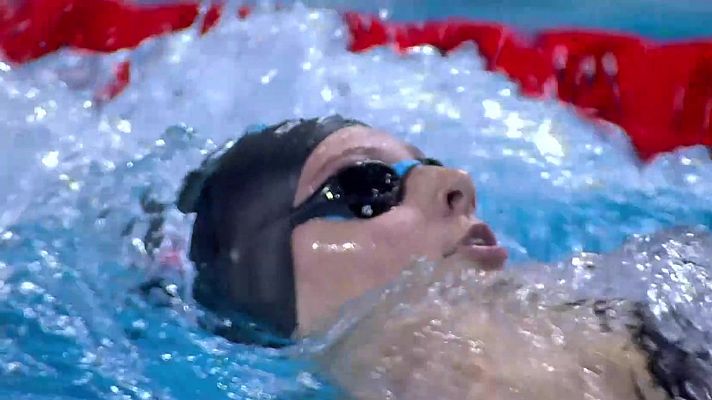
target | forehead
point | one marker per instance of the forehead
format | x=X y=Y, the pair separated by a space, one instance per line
x=346 y=146
x=355 y=139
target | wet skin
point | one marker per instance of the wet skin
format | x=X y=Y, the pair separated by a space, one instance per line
x=337 y=261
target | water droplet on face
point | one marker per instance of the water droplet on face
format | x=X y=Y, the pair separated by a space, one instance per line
x=334 y=247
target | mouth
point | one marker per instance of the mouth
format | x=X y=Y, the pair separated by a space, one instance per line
x=479 y=235
x=479 y=244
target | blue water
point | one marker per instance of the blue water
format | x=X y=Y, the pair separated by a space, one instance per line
x=73 y=172
x=657 y=19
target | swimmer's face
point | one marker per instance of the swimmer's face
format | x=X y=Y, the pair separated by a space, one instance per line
x=337 y=261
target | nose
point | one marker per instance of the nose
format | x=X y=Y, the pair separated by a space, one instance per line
x=457 y=195
x=445 y=192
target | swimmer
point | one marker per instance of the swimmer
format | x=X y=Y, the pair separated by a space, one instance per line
x=296 y=219
x=299 y=218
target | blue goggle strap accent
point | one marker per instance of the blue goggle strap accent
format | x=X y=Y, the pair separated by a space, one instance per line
x=404 y=166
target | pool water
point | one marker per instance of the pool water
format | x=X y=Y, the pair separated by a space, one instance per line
x=657 y=19
x=541 y=332
x=74 y=170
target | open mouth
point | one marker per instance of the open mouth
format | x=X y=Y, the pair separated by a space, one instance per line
x=479 y=235
x=479 y=245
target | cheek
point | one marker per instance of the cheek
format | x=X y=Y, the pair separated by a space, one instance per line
x=404 y=235
x=336 y=262
x=397 y=238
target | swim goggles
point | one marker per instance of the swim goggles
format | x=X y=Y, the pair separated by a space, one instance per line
x=364 y=190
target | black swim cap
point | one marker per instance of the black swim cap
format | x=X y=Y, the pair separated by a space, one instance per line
x=241 y=242
x=683 y=368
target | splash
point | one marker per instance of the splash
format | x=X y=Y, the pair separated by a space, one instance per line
x=75 y=171
x=631 y=324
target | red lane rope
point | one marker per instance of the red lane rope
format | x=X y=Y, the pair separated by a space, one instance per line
x=661 y=94
x=212 y=17
x=121 y=79
x=39 y=27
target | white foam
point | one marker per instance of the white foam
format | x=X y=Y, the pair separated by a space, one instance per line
x=73 y=170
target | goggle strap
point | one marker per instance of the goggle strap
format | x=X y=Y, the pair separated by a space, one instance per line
x=403 y=167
